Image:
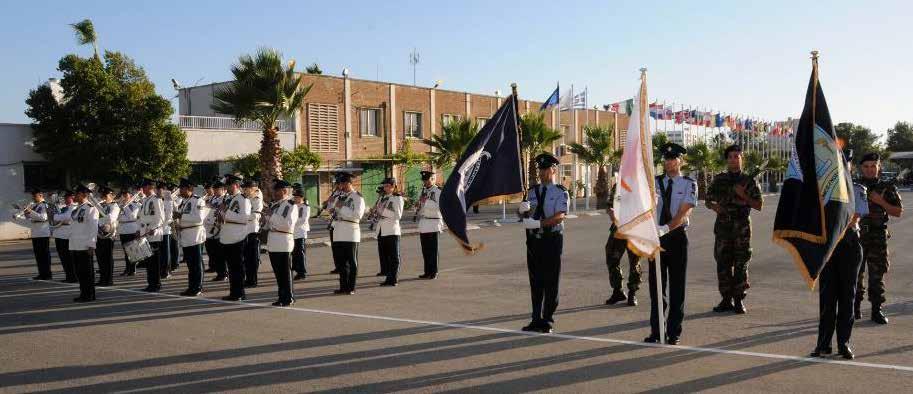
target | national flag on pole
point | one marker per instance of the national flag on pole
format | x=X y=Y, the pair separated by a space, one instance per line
x=635 y=199
x=816 y=202
x=490 y=167
x=566 y=101
x=551 y=100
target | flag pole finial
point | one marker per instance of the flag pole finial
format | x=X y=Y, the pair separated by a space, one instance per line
x=814 y=55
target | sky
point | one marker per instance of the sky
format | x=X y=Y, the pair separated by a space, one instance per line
x=746 y=57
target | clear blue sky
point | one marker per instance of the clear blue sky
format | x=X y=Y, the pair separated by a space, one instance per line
x=740 y=57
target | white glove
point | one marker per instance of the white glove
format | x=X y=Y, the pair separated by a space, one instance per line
x=662 y=230
x=531 y=224
x=524 y=207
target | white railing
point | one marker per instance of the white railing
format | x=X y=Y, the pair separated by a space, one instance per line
x=224 y=123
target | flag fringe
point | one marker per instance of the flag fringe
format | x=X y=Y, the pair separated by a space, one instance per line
x=797 y=260
x=783 y=234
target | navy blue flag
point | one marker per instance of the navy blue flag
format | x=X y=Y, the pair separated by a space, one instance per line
x=551 y=100
x=816 y=203
x=490 y=167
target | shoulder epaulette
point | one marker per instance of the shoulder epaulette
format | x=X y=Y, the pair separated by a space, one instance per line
x=689 y=178
x=559 y=186
x=659 y=177
x=357 y=193
x=533 y=187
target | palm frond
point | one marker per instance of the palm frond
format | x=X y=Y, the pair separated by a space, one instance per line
x=85 y=32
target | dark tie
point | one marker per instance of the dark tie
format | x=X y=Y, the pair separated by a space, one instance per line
x=666 y=215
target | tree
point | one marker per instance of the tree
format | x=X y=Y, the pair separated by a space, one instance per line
x=658 y=140
x=900 y=137
x=858 y=138
x=449 y=146
x=110 y=126
x=85 y=34
x=537 y=138
x=706 y=161
x=264 y=90
x=597 y=150
x=295 y=163
x=314 y=68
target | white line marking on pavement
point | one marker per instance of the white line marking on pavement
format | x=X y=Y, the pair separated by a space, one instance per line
x=694 y=349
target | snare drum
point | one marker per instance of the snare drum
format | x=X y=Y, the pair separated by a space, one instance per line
x=138 y=250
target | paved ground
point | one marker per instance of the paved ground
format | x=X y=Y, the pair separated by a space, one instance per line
x=457 y=333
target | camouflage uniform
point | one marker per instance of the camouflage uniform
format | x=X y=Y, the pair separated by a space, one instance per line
x=614 y=250
x=874 y=237
x=732 y=248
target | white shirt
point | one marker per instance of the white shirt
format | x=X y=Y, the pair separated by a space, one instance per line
x=281 y=227
x=190 y=225
x=302 y=225
x=430 y=220
x=152 y=217
x=391 y=211
x=237 y=217
x=346 y=226
x=112 y=211
x=84 y=227
x=36 y=220
x=63 y=219
x=128 y=221
x=256 y=210
x=168 y=209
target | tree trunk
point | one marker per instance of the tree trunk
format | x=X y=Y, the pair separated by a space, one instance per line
x=602 y=188
x=532 y=173
x=270 y=162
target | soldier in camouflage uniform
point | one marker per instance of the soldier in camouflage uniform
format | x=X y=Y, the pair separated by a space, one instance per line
x=884 y=201
x=732 y=195
x=614 y=250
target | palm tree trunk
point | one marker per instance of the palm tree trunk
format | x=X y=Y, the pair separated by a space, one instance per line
x=270 y=162
x=602 y=188
x=532 y=173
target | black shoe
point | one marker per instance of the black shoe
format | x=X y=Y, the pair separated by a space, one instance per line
x=210 y=270
x=652 y=339
x=388 y=283
x=104 y=284
x=533 y=326
x=821 y=352
x=857 y=310
x=724 y=306
x=546 y=328
x=166 y=276
x=739 y=307
x=83 y=299
x=617 y=296
x=380 y=274
x=423 y=276
x=877 y=315
x=219 y=278
x=672 y=341
x=283 y=304
x=234 y=298
x=37 y=277
x=845 y=352
x=300 y=277
x=150 y=289
x=344 y=292
x=428 y=276
x=123 y=273
x=334 y=271
x=191 y=293
x=140 y=265
x=632 y=300
x=250 y=285
x=174 y=267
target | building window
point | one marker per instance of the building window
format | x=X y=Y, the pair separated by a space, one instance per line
x=42 y=176
x=567 y=170
x=323 y=127
x=446 y=119
x=480 y=122
x=370 y=121
x=412 y=124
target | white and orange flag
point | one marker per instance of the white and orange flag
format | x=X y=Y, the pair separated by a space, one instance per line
x=635 y=197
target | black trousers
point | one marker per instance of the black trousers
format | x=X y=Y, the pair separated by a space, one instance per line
x=174 y=250
x=252 y=258
x=543 y=261
x=153 y=271
x=235 y=259
x=429 y=252
x=63 y=251
x=85 y=272
x=837 y=291
x=41 y=247
x=281 y=262
x=389 y=256
x=216 y=255
x=194 y=257
x=346 y=259
x=104 y=253
x=129 y=266
x=673 y=266
x=164 y=254
x=299 y=257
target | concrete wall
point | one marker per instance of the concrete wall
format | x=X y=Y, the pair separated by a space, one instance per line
x=216 y=145
x=15 y=149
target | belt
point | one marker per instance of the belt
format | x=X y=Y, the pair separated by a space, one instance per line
x=128 y=221
x=343 y=220
x=280 y=231
x=190 y=227
x=240 y=223
x=426 y=217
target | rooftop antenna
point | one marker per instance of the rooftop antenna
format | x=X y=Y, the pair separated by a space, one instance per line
x=414 y=60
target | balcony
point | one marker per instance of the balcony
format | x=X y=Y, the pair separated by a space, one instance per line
x=225 y=123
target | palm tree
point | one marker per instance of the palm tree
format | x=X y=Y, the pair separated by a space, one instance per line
x=597 y=150
x=449 y=146
x=85 y=34
x=263 y=90
x=658 y=140
x=537 y=138
x=706 y=161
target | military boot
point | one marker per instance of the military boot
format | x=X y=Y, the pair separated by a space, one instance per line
x=857 y=310
x=724 y=306
x=617 y=296
x=632 y=300
x=877 y=315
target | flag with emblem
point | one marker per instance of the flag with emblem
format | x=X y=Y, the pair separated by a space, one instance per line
x=816 y=203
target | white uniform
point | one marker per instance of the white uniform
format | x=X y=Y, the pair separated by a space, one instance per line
x=430 y=220
x=152 y=218
x=84 y=227
x=192 y=210
x=237 y=217
x=36 y=220
x=391 y=211
x=210 y=222
x=112 y=211
x=281 y=227
x=63 y=219
x=168 y=212
x=128 y=220
x=256 y=210
x=346 y=225
x=302 y=225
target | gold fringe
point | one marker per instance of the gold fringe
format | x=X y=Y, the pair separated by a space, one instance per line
x=797 y=260
x=783 y=234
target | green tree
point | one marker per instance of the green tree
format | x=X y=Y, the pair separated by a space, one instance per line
x=449 y=146
x=264 y=90
x=247 y=165
x=314 y=68
x=706 y=161
x=658 y=140
x=295 y=163
x=597 y=150
x=110 y=126
x=900 y=137
x=85 y=34
x=858 y=138
x=537 y=138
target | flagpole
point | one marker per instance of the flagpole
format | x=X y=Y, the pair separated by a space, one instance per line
x=523 y=161
x=657 y=264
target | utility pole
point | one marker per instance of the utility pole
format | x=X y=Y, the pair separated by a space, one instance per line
x=413 y=60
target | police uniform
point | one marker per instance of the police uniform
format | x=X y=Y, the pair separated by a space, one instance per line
x=544 y=246
x=168 y=215
x=302 y=226
x=61 y=235
x=430 y=224
x=614 y=250
x=390 y=211
x=252 y=244
x=672 y=194
x=191 y=215
x=280 y=243
x=732 y=230
x=36 y=219
x=874 y=236
x=127 y=227
x=232 y=237
x=84 y=222
x=152 y=219
x=214 y=249
x=346 y=235
x=105 y=251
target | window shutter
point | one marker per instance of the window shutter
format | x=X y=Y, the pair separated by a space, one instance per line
x=323 y=127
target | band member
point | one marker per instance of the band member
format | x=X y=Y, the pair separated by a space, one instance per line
x=151 y=219
x=164 y=193
x=346 y=232
x=107 y=230
x=252 y=244
x=189 y=217
x=390 y=211
x=328 y=206
x=128 y=226
x=213 y=246
x=62 y=236
x=544 y=242
x=430 y=224
x=35 y=217
x=207 y=223
x=174 y=248
x=234 y=230
x=281 y=240
x=84 y=222
x=678 y=194
x=302 y=226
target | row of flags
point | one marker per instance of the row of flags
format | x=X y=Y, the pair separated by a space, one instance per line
x=717 y=119
x=566 y=101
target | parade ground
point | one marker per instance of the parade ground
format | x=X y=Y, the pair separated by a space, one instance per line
x=460 y=332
